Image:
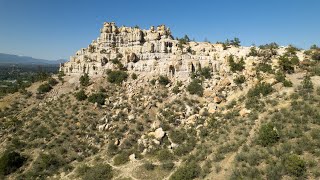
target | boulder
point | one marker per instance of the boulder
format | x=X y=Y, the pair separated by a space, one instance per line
x=116 y=142
x=173 y=145
x=159 y=133
x=244 y=112
x=144 y=152
x=189 y=110
x=131 y=117
x=95 y=105
x=107 y=127
x=212 y=107
x=217 y=99
x=156 y=142
x=101 y=127
x=132 y=157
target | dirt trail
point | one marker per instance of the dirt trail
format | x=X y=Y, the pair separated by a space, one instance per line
x=227 y=163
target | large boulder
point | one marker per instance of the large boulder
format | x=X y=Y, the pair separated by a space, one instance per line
x=132 y=157
x=131 y=117
x=158 y=133
x=244 y=112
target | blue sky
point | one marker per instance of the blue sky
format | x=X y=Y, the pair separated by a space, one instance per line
x=54 y=29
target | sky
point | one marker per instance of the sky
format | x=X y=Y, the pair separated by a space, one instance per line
x=56 y=29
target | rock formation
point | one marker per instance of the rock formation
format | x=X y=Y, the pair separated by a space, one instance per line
x=152 y=51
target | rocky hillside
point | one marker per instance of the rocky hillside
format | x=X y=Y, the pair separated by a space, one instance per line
x=253 y=116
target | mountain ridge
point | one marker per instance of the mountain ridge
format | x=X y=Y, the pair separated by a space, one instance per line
x=16 y=59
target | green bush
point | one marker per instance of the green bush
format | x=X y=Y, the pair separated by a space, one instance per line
x=52 y=82
x=287 y=63
x=81 y=95
x=315 y=70
x=234 y=67
x=294 y=165
x=206 y=72
x=183 y=41
x=315 y=134
x=97 y=98
x=307 y=85
x=280 y=76
x=316 y=56
x=274 y=171
x=112 y=148
x=96 y=172
x=43 y=88
x=176 y=90
x=270 y=46
x=134 y=76
x=10 y=161
x=117 y=77
x=117 y=62
x=233 y=42
x=260 y=89
x=61 y=75
x=253 y=52
x=268 y=135
x=164 y=155
x=187 y=172
x=266 y=68
x=195 y=88
x=167 y=166
x=177 y=136
x=84 y=80
x=44 y=165
x=149 y=166
x=153 y=82
x=120 y=159
x=184 y=149
x=291 y=50
x=240 y=79
x=287 y=83
x=164 y=80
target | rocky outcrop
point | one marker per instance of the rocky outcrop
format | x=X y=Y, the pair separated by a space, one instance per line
x=151 y=51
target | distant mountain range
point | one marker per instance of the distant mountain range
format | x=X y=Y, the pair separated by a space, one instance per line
x=25 y=60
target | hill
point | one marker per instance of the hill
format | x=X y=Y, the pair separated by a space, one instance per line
x=120 y=109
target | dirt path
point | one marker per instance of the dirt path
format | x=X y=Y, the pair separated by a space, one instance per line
x=227 y=163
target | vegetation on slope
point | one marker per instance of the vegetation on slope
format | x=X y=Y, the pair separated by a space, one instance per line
x=68 y=137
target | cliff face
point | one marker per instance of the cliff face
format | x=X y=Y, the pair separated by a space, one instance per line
x=153 y=52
